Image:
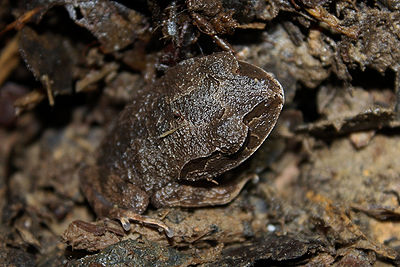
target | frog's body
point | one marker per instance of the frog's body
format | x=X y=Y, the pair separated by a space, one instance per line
x=203 y=117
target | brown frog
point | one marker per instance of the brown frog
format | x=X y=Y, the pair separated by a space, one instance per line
x=170 y=145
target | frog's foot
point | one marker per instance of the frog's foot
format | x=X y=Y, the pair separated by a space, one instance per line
x=192 y=195
x=114 y=198
x=127 y=215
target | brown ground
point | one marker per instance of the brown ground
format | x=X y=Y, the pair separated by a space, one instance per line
x=329 y=188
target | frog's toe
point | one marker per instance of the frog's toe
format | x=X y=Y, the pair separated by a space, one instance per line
x=126 y=216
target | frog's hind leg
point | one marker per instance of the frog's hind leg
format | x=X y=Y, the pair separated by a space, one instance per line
x=195 y=195
x=114 y=198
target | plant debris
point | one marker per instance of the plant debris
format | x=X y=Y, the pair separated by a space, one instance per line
x=328 y=189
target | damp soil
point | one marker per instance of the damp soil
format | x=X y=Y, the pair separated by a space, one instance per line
x=328 y=187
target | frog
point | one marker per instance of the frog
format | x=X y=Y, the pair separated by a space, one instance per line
x=171 y=145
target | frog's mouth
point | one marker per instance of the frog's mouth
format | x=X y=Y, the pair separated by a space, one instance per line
x=259 y=123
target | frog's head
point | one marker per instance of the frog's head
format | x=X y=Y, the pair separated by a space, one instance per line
x=229 y=112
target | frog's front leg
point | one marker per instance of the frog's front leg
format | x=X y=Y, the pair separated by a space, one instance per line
x=112 y=197
x=197 y=194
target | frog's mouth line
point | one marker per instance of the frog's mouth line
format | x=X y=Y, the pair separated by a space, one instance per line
x=260 y=124
x=257 y=112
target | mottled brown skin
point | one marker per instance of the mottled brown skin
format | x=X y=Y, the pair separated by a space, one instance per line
x=203 y=117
